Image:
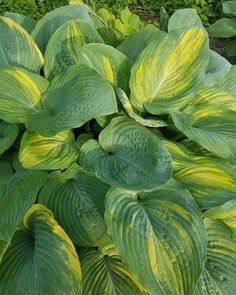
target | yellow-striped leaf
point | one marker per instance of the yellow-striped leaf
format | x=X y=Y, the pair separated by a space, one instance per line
x=160 y=236
x=219 y=276
x=72 y=99
x=51 y=21
x=41 y=258
x=17 y=48
x=210 y=120
x=159 y=83
x=104 y=272
x=76 y=198
x=63 y=47
x=26 y=22
x=48 y=153
x=20 y=94
x=127 y=155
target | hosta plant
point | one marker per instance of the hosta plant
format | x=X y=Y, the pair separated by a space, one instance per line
x=117 y=158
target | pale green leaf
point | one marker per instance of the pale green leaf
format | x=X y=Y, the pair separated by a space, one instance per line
x=224 y=28
x=26 y=22
x=184 y=19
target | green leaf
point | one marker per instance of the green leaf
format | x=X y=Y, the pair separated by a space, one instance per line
x=72 y=99
x=26 y=22
x=108 y=62
x=220 y=268
x=154 y=123
x=184 y=19
x=76 y=198
x=159 y=83
x=8 y=135
x=17 y=48
x=63 y=47
x=230 y=48
x=164 y=19
x=210 y=120
x=211 y=181
x=224 y=28
x=228 y=82
x=48 y=153
x=127 y=155
x=229 y=8
x=130 y=19
x=217 y=67
x=104 y=273
x=165 y=228
x=20 y=94
x=18 y=192
x=133 y=45
x=48 y=24
x=41 y=258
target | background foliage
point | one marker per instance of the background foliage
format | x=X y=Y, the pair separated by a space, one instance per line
x=207 y=9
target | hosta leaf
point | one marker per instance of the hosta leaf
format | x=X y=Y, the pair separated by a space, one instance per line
x=224 y=28
x=230 y=48
x=8 y=134
x=184 y=19
x=72 y=99
x=155 y=123
x=18 y=191
x=210 y=120
x=210 y=180
x=127 y=155
x=228 y=82
x=159 y=83
x=104 y=273
x=133 y=45
x=56 y=18
x=17 y=48
x=107 y=61
x=41 y=258
x=229 y=7
x=217 y=67
x=220 y=268
x=63 y=47
x=26 y=22
x=165 y=227
x=20 y=94
x=48 y=153
x=76 y=199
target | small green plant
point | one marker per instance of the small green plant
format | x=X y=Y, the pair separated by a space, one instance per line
x=226 y=27
x=117 y=156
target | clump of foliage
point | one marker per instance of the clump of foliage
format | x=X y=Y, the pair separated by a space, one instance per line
x=117 y=157
x=226 y=27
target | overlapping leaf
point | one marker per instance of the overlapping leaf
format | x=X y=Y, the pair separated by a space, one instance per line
x=38 y=152
x=105 y=273
x=76 y=198
x=20 y=94
x=63 y=47
x=160 y=235
x=210 y=120
x=127 y=155
x=219 y=273
x=26 y=22
x=17 y=48
x=18 y=192
x=72 y=99
x=48 y=24
x=210 y=180
x=41 y=258
x=159 y=83
x=8 y=134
